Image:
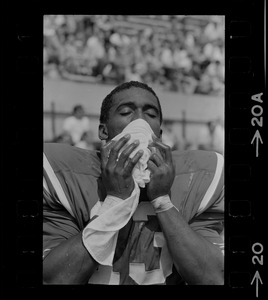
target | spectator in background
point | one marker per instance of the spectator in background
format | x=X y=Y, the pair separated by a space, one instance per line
x=169 y=136
x=95 y=51
x=211 y=137
x=76 y=124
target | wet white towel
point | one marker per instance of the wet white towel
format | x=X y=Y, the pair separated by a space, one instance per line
x=100 y=235
x=139 y=130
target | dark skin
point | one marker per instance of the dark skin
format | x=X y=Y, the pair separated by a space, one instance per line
x=197 y=260
x=128 y=106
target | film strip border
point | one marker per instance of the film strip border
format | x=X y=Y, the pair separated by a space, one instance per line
x=27 y=151
x=245 y=154
x=22 y=145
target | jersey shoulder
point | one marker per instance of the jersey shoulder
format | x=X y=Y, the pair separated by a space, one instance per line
x=195 y=160
x=66 y=157
x=199 y=181
x=78 y=173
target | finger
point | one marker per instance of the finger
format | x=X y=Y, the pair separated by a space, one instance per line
x=132 y=162
x=105 y=152
x=157 y=159
x=154 y=139
x=156 y=149
x=152 y=149
x=106 y=147
x=154 y=145
x=165 y=151
x=116 y=148
x=152 y=166
x=126 y=153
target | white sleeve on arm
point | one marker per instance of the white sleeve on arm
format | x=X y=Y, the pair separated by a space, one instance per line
x=100 y=235
x=87 y=124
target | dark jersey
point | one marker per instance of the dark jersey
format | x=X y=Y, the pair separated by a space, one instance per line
x=73 y=189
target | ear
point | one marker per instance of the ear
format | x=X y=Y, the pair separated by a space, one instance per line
x=103 y=132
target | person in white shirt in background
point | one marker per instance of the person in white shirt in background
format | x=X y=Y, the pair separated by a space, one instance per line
x=211 y=136
x=77 y=124
x=169 y=136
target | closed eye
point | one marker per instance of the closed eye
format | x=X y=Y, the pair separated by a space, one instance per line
x=151 y=115
x=125 y=113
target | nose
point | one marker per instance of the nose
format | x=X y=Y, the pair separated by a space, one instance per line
x=139 y=114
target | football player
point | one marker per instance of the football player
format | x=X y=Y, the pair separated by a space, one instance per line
x=172 y=236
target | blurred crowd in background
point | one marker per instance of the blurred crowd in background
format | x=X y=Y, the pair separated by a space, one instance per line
x=179 y=53
x=184 y=54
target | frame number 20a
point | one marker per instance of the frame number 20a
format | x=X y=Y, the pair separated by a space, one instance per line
x=257 y=121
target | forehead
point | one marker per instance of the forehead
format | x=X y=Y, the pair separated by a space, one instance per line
x=136 y=95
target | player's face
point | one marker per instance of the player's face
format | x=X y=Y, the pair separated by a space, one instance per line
x=129 y=105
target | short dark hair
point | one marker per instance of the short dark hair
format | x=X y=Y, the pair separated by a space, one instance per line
x=108 y=100
x=77 y=108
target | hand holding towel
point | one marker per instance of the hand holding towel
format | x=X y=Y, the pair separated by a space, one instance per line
x=100 y=235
